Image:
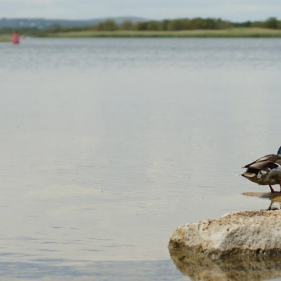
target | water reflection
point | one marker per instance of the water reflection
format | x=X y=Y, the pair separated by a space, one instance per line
x=273 y=197
x=107 y=270
x=226 y=269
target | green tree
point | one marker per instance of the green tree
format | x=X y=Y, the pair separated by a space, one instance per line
x=153 y=25
x=165 y=24
x=140 y=26
x=271 y=23
x=108 y=25
x=127 y=25
x=174 y=25
x=55 y=28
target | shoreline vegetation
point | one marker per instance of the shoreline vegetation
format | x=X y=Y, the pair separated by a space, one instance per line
x=5 y=38
x=224 y=33
x=195 y=27
x=176 y=28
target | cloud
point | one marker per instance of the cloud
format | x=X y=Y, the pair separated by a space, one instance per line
x=43 y=1
x=153 y=9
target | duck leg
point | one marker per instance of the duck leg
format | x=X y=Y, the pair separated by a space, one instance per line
x=269 y=208
x=272 y=190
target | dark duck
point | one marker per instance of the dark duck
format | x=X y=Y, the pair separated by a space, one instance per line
x=265 y=171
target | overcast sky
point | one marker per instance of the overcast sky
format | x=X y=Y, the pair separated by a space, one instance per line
x=239 y=10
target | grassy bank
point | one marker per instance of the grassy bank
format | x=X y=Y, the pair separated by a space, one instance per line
x=5 y=38
x=232 y=32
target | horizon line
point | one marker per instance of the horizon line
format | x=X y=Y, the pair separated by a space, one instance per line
x=133 y=17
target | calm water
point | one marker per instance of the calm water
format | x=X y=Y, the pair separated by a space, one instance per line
x=107 y=145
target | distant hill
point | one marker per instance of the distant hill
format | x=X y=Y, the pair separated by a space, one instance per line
x=46 y=23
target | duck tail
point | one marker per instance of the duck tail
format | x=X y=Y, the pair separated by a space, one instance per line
x=248 y=175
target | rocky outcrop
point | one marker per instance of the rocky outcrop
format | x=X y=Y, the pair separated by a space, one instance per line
x=246 y=235
x=226 y=269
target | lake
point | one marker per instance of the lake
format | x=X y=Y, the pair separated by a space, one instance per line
x=107 y=145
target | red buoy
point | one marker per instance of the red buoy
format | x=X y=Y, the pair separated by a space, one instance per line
x=15 y=38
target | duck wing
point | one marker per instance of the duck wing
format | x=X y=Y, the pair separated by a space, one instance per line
x=264 y=162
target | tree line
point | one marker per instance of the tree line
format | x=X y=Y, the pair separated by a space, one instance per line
x=23 y=30
x=172 y=25
x=164 y=25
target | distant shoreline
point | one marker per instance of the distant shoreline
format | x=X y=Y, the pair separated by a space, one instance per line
x=222 y=33
x=5 y=38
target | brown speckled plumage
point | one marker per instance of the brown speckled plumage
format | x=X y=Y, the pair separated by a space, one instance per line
x=265 y=171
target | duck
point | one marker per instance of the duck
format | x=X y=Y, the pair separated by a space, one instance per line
x=265 y=171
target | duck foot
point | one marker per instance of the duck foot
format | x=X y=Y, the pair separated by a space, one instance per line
x=270 y=209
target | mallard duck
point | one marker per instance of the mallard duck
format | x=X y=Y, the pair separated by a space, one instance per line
x=265 y=171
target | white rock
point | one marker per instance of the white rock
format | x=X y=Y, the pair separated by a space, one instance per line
x=242 y=234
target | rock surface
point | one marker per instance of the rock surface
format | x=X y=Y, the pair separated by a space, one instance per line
x=248 y=234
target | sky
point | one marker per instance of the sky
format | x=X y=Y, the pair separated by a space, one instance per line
x=235 y=10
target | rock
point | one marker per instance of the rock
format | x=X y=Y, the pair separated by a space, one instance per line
x=226 y=269
x=246 y=235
